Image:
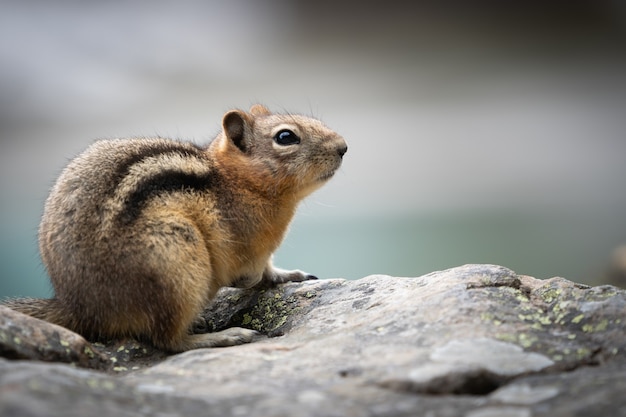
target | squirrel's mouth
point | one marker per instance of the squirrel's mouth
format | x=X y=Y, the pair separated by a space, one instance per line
x=329 y=171
x=328 y=175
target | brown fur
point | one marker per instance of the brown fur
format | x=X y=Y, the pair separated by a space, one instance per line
x=139 y=234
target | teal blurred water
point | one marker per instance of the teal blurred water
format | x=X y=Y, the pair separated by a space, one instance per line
x=574 y=244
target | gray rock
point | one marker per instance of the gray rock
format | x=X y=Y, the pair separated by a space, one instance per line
x=477 y=340
x=23 y=337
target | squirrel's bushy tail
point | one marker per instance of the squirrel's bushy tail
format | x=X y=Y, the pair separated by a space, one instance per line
x=48 y=309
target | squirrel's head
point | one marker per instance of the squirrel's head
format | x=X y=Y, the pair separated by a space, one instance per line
x=284 y=152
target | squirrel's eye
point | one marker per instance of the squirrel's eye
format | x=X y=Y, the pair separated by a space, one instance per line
x=286 y=137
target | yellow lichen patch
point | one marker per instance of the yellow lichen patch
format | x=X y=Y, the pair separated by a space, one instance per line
x=550 y=295
x=490 y=318
x=526 y=340
x=602 y=326
x=590 y=328
x=537 y=318
x=519 y=296
x=234 y=298
x=578 y=318
x=536 y=326
x=89 y=352
x=96 y=383
x=560 y=310
x=507 y=337
x=583 y=353
x=270 y=313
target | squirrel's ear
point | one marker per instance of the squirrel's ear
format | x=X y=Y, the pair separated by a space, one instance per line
x=234 y=125
x=259 y=110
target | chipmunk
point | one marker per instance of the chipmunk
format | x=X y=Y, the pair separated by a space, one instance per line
x=139 y=234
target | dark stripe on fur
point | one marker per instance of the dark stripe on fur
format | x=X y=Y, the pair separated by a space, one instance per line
x=165 y=182
x=187 y=150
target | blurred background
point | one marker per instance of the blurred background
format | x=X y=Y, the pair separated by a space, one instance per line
x=479 y=132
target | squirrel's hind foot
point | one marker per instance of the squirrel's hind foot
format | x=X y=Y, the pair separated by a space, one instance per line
x=229 y=337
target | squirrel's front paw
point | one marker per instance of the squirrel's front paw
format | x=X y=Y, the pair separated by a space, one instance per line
x=279 y=276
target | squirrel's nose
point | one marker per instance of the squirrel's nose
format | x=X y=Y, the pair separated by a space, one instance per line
x=342 y=151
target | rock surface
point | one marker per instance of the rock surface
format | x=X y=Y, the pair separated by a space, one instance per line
x=476 y=341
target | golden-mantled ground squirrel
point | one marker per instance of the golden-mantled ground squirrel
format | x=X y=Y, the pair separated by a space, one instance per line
x=138 y=234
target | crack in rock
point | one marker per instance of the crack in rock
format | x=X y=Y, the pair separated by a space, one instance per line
x=469 y=367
